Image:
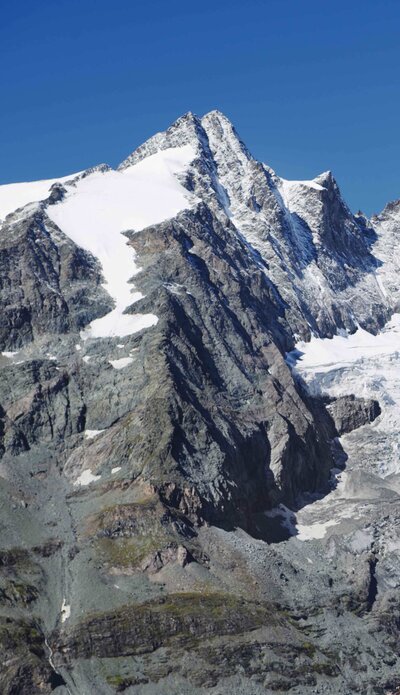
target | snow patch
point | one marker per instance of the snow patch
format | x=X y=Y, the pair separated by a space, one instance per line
x=121 y=363
x=86 y=477
x=361 y=540
x=313 y=531
x=174 y=287
x=65 y=611
x=118 y=324
x=300 y=206
x=115 y=470
x=91 y=434
x=100 y=207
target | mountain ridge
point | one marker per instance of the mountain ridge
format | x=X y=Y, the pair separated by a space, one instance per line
x=157 y=442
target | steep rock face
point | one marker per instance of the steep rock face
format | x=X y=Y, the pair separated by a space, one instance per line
x=48 y=284
x=143 y=471
x=230 y=381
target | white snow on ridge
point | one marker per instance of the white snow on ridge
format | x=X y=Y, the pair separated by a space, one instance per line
x=287 y=188
x=103 y=205
x=16 y=195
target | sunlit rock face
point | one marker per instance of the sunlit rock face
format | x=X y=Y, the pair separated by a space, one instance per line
x=199 y=457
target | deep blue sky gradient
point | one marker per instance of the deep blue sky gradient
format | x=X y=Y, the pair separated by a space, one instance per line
x=309 y=85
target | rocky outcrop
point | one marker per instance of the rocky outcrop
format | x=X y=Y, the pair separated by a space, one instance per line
x=349 y=413
x=48 y=284
x=24 y=668
x=178 y=620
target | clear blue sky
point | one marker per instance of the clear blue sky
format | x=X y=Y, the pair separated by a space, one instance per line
x=309 y=85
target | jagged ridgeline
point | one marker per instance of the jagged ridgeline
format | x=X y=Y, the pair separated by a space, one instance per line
x=153 y=431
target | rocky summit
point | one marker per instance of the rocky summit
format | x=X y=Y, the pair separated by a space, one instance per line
x=199 y=429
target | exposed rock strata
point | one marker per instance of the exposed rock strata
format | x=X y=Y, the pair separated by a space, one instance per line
x=134 y=501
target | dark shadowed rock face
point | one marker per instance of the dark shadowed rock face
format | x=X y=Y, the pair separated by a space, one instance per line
x=47 y=283
x=223 y=334
x=140 y=476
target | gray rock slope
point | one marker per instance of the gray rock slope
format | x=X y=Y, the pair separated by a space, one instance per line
x=165 y=571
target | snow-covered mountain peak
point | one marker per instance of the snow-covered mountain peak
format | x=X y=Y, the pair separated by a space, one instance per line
x=149 y=421
x=186 y=130
x=325 y=179
x=221 y=131
x=190 y=129
x=314 y=249
x=217 y=115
